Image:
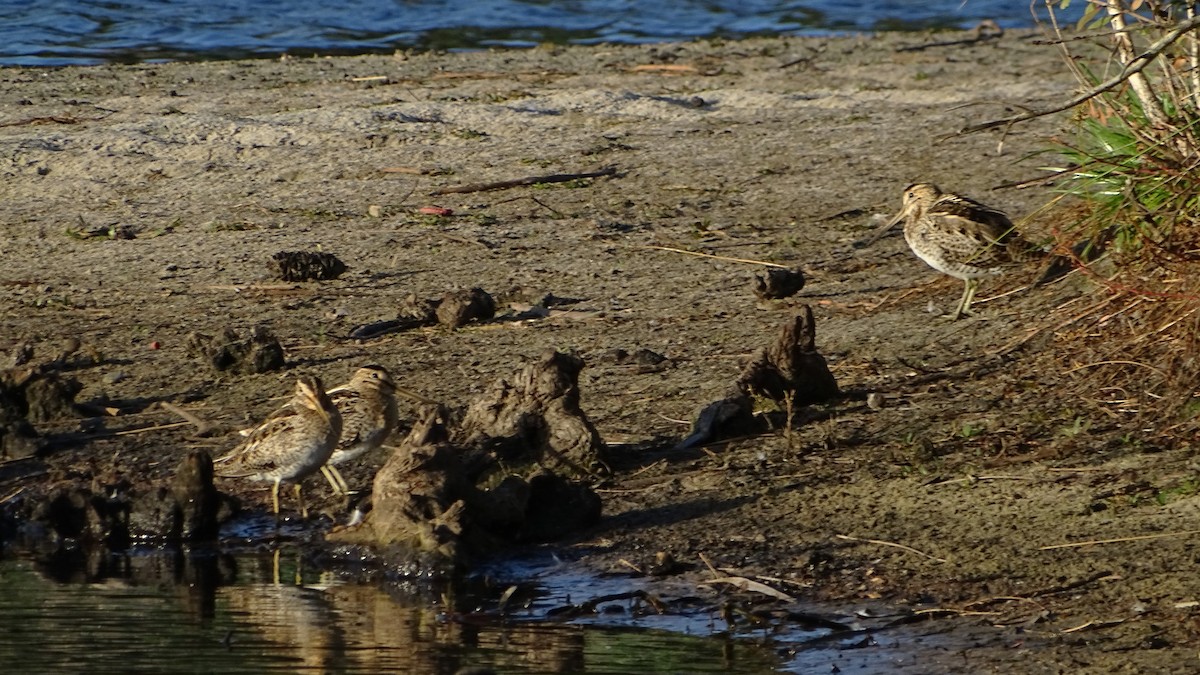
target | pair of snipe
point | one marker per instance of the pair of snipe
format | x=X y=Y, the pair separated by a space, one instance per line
x=317 y=430
x=960 y=237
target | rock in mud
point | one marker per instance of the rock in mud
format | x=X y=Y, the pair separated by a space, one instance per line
x=534 y=418
x=459 y=308
x=18 y=439
x=76 y=512
x=49 y=396
x=306 y=265
x=779 y=283
x=726 y=418
x=260 y=352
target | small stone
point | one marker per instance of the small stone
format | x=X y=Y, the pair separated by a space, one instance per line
x=375 y=211
x=115 y=377
x=875 y=400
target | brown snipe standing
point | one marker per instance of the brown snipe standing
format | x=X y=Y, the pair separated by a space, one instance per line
x=291 y=444
x=368 y=407
x=960 y=237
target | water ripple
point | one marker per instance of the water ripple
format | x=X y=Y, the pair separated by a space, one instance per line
x=64 y=32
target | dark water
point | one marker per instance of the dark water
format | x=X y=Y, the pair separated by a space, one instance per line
x=159 y=612
x=61 y=32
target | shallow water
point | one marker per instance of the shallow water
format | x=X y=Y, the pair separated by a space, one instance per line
x=61 y=32
x=265 y=612
x=215 y=613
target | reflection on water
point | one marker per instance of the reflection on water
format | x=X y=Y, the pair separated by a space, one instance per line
x=210 y=612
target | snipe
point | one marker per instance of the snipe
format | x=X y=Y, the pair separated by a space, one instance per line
x=293 y=443
x=959 y=236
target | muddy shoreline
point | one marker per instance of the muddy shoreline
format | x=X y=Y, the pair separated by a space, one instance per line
x=143 y=203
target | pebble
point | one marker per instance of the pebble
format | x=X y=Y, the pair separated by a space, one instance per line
x=115 y=377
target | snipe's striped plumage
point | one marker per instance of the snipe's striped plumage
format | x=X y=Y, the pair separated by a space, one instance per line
x=367 y=404
x=291 y=444
x=960 y=237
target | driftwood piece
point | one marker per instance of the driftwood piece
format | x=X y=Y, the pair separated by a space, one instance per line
x=534 y=418
x=790 y=370
x=203 y=426
x=518 y=182
x=778 y=283
x=260 y=352
x=721 y=419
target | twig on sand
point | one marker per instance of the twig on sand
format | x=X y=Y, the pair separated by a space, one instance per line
x=892 y=544
x=986 y=31
x=1118 y=540
x=142 y=430
x=716 y=257
x=528 y=180
x=749 y=585
x=1094 y=624
x=203 y=426
x=663 y=68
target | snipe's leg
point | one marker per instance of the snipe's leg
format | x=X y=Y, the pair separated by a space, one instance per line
x=275 y=499
x=964 y=304
x=336 y=481
x=300 y=500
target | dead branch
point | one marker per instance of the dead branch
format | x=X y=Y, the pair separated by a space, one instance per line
x=528 y=180
x=1132 y=68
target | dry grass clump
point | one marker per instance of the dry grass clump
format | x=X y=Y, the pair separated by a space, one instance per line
x=1133 y=158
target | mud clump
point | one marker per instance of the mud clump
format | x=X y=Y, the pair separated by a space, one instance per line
x=27 y=395
x=419 y=498
x=778 y=283
x=452 y=310
x=459 y=308
x=259 y=352
x=534 y=418
x=75 y=512
x=188 y=509
x=306 y=266
x=429 y=507
x=18 y=438
x=790 y=372
x=49 y=396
